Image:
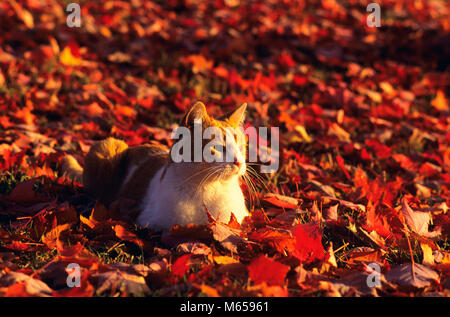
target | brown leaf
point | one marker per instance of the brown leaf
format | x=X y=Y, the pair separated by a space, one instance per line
x=229 y=238
x=403 y=275
x=417 y=221
x=331 y=213
x=191 y=231
x=363 y=254
x=52 y=236
x=20 y=284
x=281 y=201
x=196 y=248
x=109 y=283
x=24 y=193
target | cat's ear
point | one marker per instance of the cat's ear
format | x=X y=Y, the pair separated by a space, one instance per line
x=237 y=117
x=195 y=112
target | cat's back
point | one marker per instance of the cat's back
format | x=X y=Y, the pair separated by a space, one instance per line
x=143 y=162
x=113 y=170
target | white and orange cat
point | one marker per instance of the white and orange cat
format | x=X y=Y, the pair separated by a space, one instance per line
x=168 y=193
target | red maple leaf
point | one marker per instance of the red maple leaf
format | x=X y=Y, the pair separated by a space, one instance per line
x=308 y=245
x=263 y=269
x=180 y=267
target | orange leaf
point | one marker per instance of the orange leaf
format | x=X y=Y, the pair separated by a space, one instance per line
x=208 y=290
x=52 y=236
x=440 y=102
x=281 y=201
x=199 y=63
x=124 y=234
x=125 y=111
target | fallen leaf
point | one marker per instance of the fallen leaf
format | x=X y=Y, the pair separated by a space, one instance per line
x=19 y=285
x=117 y=281
x=195 y=248
x=308 y=245
x=440 y=102
x=263 y=269
x=125 y=234
x=417 y=221
x=50 y=238
x=403 y=275
x=67 y=57
x=281 y=201
x=180 y=267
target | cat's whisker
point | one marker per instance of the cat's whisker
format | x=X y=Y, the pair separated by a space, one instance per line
x=257 y=177
x=207 y=177
x=251 y=189
x=258 y=182
x=197 y=174
x=260 y=179
x=202 y=182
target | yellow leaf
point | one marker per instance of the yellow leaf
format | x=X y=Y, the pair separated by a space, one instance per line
x=68 y=59
x=445 y=257
x=428 y=258
x=50 y=237
x=338 y=132
x=224 y=260
x=302 y=131
x=27 y=19
x=330 y=258
x=387 y=88
x=374 y=95
x=23 y=14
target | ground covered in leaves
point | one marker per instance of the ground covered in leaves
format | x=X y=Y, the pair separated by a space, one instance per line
x=364 y=130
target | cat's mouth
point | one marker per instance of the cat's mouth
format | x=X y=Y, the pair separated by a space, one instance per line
x=234 y=169
x=240 y=168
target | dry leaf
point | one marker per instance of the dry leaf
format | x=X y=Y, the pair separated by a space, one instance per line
x=403 y=275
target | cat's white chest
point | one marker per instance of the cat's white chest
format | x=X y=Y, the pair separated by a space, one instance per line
x=168 y=202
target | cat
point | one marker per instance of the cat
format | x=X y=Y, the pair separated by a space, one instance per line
x=168 y=192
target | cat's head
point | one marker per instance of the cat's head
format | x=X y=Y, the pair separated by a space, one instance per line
x=215 y=146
